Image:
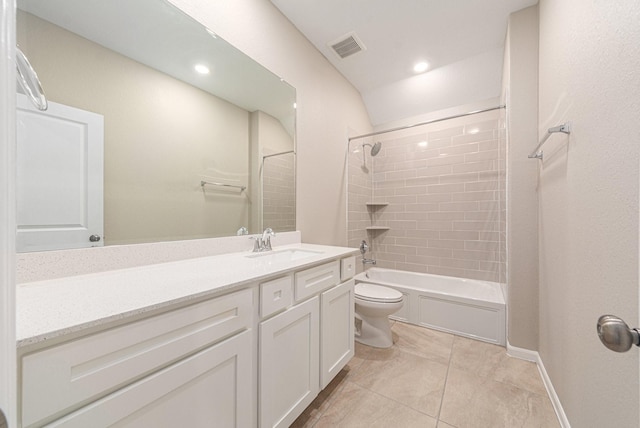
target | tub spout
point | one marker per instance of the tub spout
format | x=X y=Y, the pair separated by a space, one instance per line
x=368 y=261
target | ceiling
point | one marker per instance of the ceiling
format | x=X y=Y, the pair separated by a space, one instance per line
x=462 y=40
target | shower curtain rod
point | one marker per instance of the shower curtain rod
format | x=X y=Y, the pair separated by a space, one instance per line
x=428 y=122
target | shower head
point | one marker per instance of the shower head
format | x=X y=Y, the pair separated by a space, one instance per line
x=375 y=149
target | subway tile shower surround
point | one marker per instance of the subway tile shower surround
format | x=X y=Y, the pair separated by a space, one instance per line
x=279 y=198
x=439 y=189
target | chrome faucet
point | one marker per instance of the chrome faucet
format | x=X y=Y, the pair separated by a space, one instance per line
x=263 y=243
x=266 y=238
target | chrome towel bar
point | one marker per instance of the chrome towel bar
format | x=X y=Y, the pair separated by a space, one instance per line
x=565 y=128
x=213 y=183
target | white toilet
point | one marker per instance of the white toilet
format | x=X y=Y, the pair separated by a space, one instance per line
x=374 y=304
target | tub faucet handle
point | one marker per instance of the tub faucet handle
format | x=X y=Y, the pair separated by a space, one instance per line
x=363 y=247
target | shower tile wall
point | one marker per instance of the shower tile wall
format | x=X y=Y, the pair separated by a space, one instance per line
x=502 y=170
x=360 y=191
x=279 y=195
x=443 y=186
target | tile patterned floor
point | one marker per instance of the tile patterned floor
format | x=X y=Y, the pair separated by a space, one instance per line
x=431 y=379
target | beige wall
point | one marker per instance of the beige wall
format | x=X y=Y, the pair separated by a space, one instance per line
x=328 y=106
x=156 y=151
x=588 y=198
x=520 y=88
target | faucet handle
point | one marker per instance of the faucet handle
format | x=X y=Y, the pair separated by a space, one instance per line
x=268 y=232
x=257 y=243
x=266 y=239
x=363 y=247
x=267 y=243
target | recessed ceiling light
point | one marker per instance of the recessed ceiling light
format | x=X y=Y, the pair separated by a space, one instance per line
x=420 y=67
x=201 y=68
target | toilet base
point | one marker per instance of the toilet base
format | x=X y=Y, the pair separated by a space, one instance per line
x=373 y=331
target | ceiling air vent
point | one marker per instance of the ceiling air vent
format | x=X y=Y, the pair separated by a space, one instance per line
x=347 y=45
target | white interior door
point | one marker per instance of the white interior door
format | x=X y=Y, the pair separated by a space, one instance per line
x=59 y=177
x=8 y=401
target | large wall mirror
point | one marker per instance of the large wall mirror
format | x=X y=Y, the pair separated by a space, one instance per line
x=196 y=139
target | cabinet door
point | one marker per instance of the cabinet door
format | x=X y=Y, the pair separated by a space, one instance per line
x=58 y=380
x=336 y=330
x=289 y=364
x=209 y=389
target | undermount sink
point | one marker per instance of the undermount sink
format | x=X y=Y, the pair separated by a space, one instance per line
x=283 y=255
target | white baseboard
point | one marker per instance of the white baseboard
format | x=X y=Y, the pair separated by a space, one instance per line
x=534 y=356
x=523 y=354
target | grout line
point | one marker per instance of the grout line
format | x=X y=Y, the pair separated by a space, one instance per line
x=331 y=400
x=446 y=381
x=395 y=401
x=421 y=357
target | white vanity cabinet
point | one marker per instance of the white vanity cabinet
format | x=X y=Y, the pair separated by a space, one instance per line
x=336 y=330
x=186 y=367
x=304 y=346
x=337 y=312
x=289 y=363
x=255 y=353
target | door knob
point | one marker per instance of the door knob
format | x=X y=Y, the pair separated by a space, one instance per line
x=616 y=335
x=94 y=238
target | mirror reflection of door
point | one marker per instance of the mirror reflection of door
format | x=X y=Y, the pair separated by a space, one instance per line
x=59 y=177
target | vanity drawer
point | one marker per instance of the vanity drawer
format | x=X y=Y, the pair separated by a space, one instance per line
x=61 y=378
x=276 y=295
x=347 y=268
x=316 y=279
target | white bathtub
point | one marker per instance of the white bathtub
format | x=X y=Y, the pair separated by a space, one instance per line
x=465 y=307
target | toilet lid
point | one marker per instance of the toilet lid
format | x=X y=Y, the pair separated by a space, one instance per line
x=377 y=293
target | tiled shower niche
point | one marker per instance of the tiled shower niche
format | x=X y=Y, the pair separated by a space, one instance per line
x=432 y=199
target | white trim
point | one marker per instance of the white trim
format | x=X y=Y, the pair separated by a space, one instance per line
x=534 y=356
x=522 y=353
x=555 y=400
x=8 y=400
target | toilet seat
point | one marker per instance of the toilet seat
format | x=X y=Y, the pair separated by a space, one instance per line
x=377 y=293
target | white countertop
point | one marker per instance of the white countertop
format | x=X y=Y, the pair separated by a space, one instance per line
x=53 y=308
